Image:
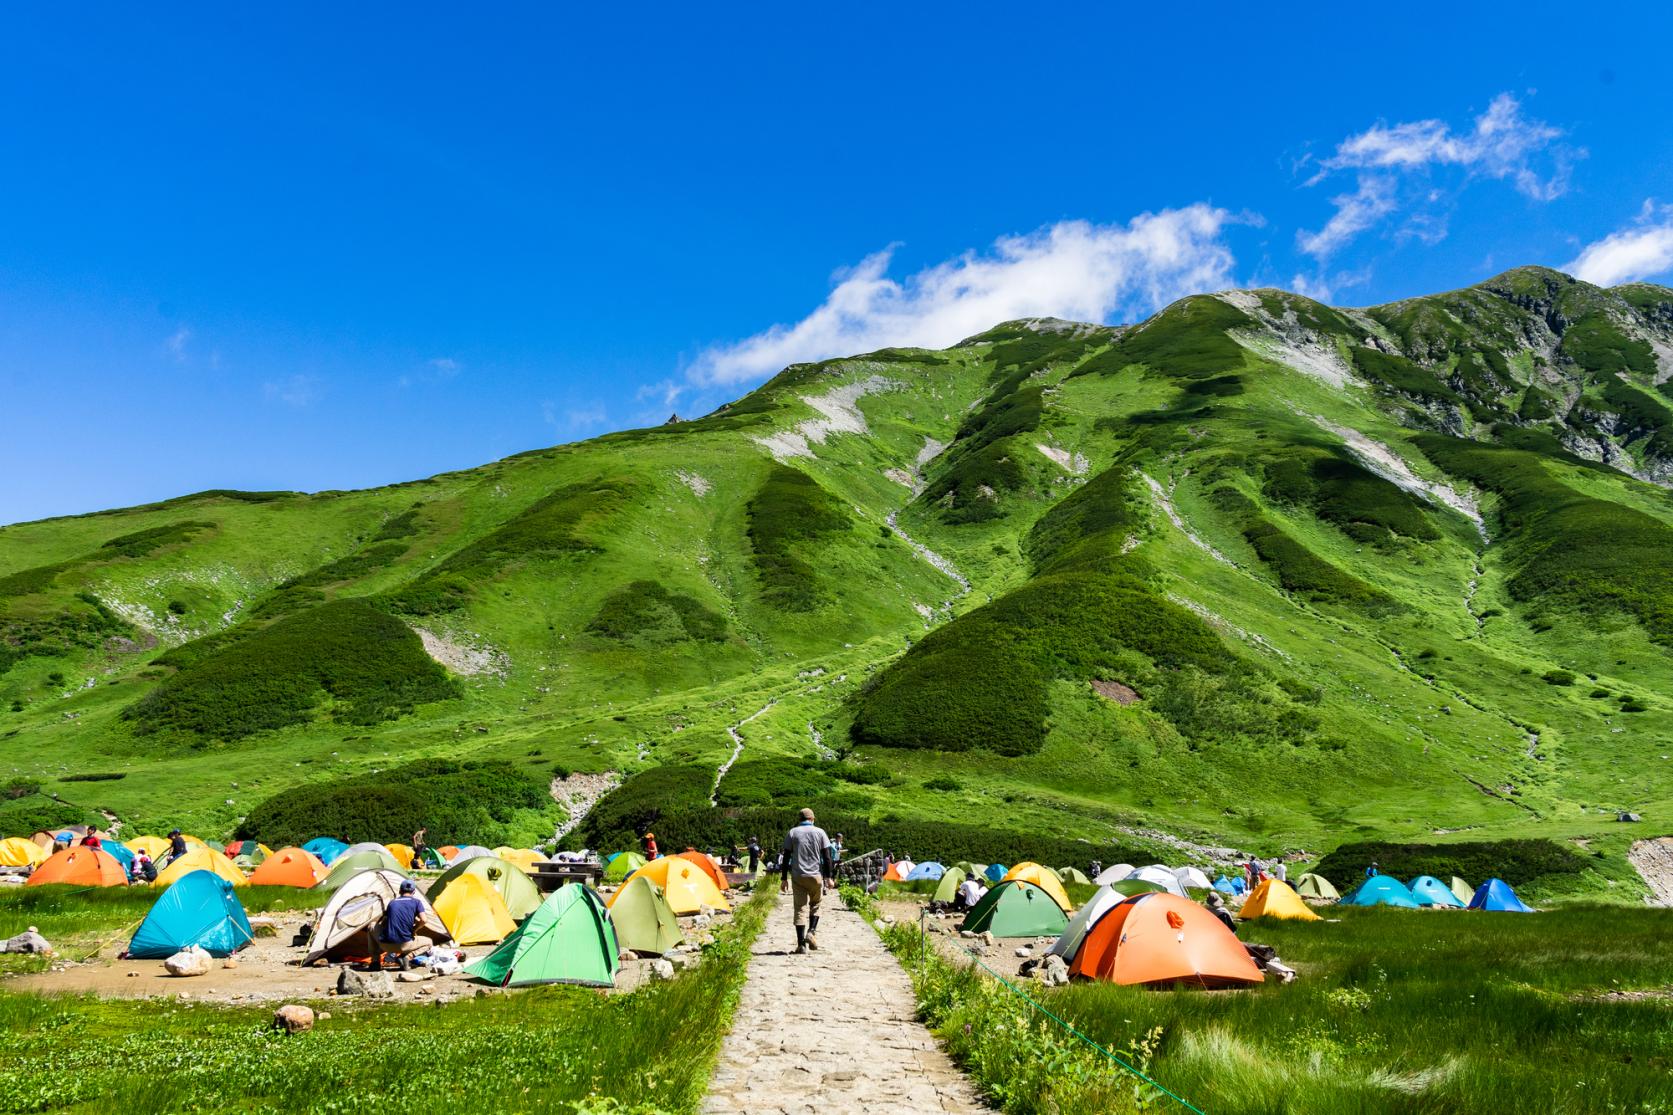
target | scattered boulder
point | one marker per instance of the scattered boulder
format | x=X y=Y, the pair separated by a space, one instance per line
x=1628 y=818
x=229 y=962
x=967 y=934
x=293 y=1018
x=662 y=969
x=1052 y=971
x=371 y=985
x=415 y=975
x=29 y=941
x=988 y=939
x=1025 y=952
x=189 y=961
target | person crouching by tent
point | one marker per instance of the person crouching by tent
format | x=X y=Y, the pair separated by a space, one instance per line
x=143 y=871
x=650 y=846
x=969 y=893
x=398 y=932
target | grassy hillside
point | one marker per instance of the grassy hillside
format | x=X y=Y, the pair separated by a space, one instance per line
x=1255 y=572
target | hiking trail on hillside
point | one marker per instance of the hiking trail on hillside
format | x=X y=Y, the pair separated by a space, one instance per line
x=831 y=1031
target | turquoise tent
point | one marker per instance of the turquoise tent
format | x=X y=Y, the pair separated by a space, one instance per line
x=931 y=870
x=199 y=909
x=122 y=853
x=325 y=849
x=1495 y=894
x=1224 y=885
x=1430 y=891
x=1382 y=890
x=995 y=872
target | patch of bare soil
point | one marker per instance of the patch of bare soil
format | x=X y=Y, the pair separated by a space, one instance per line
x=1115 y=691
x=1653 y=860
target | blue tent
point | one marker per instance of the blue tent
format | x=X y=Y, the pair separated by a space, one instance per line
x=1495 y=894
x=120 y=852
x=325 y=849
x=1430 y=891
x=610 y=858
x=930 y=870
x=1225 y=885
x=199 y=909
x=1382 y=890
x=995 y=872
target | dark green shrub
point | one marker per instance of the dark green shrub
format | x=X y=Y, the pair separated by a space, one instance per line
x=943 y=784
x=1558 y=677
x=643 y=613
x=144 y=542
x=789 y=511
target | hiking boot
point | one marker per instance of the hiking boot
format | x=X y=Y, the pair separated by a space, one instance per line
x=801 y=950
x=813 y=942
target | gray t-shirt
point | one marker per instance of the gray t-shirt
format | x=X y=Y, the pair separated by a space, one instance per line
x=804 y=849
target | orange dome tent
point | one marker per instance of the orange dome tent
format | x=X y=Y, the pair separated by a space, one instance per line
x=1162 y=938
x=448 y=851
x=1044 y=878
x=898 y=871
x=709 y=866
x=686 y=887
x=288 y=867
x=82 y=867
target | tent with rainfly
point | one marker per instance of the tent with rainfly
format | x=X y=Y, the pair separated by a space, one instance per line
x=350 y=864
x=1044 y=878
x=642 y=919
x=925 y=872
x=994 y=872
x=1163 y=939
x=1192 y=878
x=153 y=846
x=1316 y=887
x=84 y=867
x=1461 y=890
x=347 y=924
x=1382 y=890
x=288 y=867
x=568 y=940
x=708 y=865
x=621 y=865
x=200 y=909
x=523 y=859
x=1225 y=885
x=469 y=851
x=20 y=851
x=1430 y=891
x=1273 y=898
x=898 y=871
x=474 y=912
x=946 y=891
x=685 y=886
x=1160 y=874
x=1073 y=875
x=1114 y=873
x=121 y=853
x=1075 y=932
x=201 y=859
x=522 y=897
x=1495 y=894
x=1017 y=909
x=325 y=848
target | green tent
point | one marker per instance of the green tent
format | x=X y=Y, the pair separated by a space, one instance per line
x=1017 y=909
x=1130 y=887
x=642 y=919
x=947 y=890
x=1316 y=887
x=1461 y=890
x=622 y=866
x=521 y=895
x=344 y=868
x=568 y=940
x=967 y=867
x=1073 y=875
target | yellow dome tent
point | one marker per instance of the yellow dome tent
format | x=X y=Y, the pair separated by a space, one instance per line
x=1044 y=878
x=686 y=887
x=474 y=912
x=153 y=846
x=523 y=859
x=1275 y=899
x=402 y=854
x=20 y=851
x=202 y=859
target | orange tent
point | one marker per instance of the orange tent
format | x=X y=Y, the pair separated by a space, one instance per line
x=448 y=851
x=897 y=871
x=709 y=866
x=686 y=887
x=1162 y=938
x=82 y=867
x=288 y=867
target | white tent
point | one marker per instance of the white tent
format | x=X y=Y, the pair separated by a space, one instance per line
x=469 y=851
x=1162 y=876
x=1113 y=874
x=365 y=846
x=350 y=919
x=1069 y=943
x=1192 y=878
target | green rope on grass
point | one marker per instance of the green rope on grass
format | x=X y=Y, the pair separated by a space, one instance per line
x=1182 y=1101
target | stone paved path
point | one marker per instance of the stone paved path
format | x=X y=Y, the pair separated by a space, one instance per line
x=831 y=1032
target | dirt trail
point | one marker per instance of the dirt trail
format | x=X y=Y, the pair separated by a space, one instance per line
x=1653 y=859
x=831 y=1031
x=737 y=748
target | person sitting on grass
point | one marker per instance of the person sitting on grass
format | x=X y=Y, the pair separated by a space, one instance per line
x=398 y=933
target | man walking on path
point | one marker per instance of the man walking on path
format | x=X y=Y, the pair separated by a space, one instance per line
x=807 y=852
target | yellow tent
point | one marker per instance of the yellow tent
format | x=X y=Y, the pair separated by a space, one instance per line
x=474 y=912
x=686 y=887
x=1275 y=899
x=202 y=859
x=523 y=858
x=402 y=854
x=153 y=846
x=20 y=851
x=1044 y=878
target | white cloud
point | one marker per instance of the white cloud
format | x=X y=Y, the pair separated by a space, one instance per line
x=445 y=366
x=1642 y=250
x=1501 y=144
x=573 y=419
x=177 y=343
x=296 y=391
x=1073 y=269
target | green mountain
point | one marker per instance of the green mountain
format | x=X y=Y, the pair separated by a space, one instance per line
x=1256 y=572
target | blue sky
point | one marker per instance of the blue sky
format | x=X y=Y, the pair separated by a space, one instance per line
x=303 y=247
